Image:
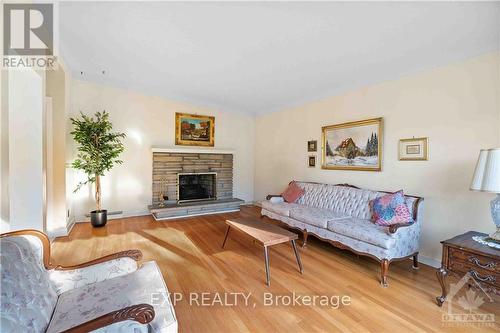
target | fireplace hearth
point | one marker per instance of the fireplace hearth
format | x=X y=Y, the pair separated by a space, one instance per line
x=196 y=186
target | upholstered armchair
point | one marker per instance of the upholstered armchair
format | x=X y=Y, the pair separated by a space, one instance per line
x=109 y=294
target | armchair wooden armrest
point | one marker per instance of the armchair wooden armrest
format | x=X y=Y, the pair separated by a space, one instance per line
x=269 y=196
x=133 y=254
x=141 y=313
x=393 y=228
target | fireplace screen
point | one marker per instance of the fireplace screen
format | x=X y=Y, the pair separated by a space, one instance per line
x=197 y=186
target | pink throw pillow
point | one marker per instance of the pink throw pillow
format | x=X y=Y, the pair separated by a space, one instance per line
x=391 y=209
x=292 y=193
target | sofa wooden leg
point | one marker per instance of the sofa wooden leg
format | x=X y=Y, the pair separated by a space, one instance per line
x=415 y=261
x=304 y=238
x=384 y=269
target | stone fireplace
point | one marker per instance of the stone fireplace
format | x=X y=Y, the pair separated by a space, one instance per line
x=195 y=181
x=193 y=171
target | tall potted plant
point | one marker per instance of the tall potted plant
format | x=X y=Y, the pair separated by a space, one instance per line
x=98 y=151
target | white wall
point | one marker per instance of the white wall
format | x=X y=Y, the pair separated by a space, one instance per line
x=26 y=149
x=149 y=121
x=4 y=151
x=456 y=106
x=69 y=153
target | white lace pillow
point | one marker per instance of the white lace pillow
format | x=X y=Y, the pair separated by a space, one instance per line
x=276 y=200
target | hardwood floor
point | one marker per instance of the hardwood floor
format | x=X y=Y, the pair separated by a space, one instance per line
x=190 y=256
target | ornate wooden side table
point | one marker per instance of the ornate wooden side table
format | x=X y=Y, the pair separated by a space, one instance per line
x=462 y=255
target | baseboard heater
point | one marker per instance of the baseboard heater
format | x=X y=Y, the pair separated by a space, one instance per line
x=116 y=212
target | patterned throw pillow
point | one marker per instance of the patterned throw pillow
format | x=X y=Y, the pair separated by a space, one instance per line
x=292 y=193
x=391 y=209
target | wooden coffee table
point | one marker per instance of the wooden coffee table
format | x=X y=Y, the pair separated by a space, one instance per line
x=265 y=234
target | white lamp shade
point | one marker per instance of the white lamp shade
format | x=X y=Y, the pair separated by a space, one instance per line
x=487 y=174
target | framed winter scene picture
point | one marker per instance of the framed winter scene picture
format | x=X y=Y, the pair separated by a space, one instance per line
x=355 y=145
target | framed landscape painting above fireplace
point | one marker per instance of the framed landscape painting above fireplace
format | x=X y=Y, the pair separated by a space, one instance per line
x=194 y=130
x=353 y=146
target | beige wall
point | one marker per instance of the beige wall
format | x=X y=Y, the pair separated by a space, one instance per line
x=149 y=121
x=498 y=95
x=456 y=106
x=56 y=177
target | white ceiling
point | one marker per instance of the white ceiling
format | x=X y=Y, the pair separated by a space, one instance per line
x=261 y=57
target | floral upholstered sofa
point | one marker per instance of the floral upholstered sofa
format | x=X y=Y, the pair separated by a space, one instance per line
x=340 y=214
x=110 y=294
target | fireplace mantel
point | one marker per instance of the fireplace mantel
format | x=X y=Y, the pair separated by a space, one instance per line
x=190 y=150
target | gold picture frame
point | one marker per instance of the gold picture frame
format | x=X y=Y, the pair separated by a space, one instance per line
x=414 y=149
x=194 y=130
x=355 y=145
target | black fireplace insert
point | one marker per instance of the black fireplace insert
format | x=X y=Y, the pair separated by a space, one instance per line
x=197 y=186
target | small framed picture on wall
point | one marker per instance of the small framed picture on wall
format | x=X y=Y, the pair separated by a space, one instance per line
x=414 y=149
x=312 y=161
x=312 y=145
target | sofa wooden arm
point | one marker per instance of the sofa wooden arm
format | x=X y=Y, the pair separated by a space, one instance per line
x=133 y=254
x=269 y=196
x=141 y=313
x=393 y=228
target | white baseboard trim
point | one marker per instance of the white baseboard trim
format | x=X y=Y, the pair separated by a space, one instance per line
x=250 y=203
x=70 y=224
x=429 y=261
x=124 y=214
x=62 y=231
x=59 y=232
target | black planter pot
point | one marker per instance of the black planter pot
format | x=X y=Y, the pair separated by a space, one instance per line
x=98 y=218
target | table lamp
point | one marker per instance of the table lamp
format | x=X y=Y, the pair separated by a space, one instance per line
x=487 y=179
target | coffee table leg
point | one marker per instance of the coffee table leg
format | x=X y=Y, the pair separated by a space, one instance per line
x=225 y=237
x=297 y=256
x=268 y=274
